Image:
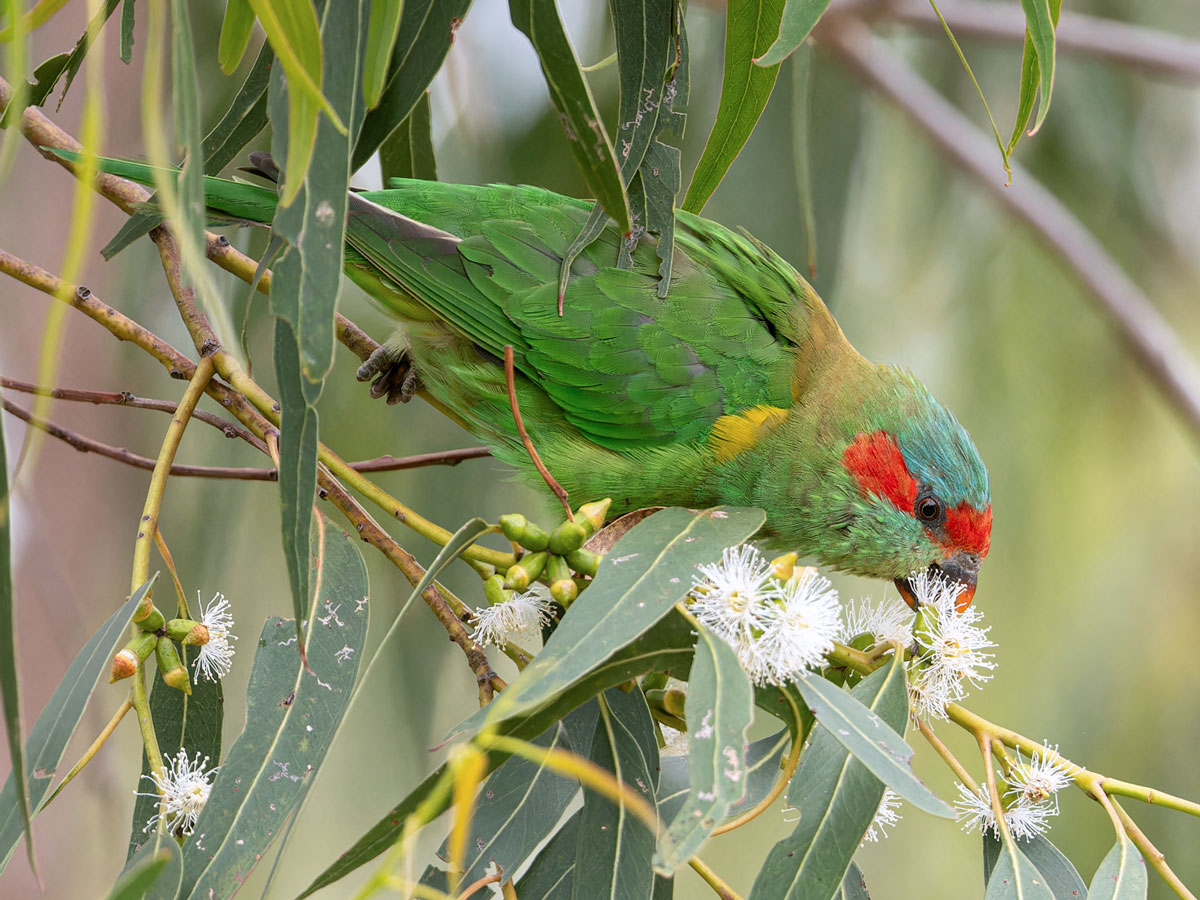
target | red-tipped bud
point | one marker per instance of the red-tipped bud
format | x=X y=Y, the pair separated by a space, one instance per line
x=187 y=632
x=124 y=665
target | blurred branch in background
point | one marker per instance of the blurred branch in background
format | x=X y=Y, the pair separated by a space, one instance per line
x=1152 y=342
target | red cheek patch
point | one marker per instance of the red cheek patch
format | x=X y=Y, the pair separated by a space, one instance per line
x=878 y=466
x=970 y=529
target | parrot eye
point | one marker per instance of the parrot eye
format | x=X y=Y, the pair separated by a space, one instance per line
x=929 y=508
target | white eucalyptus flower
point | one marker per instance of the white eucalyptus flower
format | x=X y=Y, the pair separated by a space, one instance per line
x=973 y=811
x=183 y=789
x=886 y=621
x=1040 y=778
x=215 y=658
x=803 y=628
x=736 y=598
x=885 y=817
x=519 y=615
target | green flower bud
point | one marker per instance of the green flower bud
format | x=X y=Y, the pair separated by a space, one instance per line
x=513 y=526
x=169 y=666
x=148 y=618
x=493 y=590
x=585 y=562
x=925 y=625
x=527 y=569
x=592 y=515
x=654 y=681
x=864 y=641
x=187 y=632
x=562 y=586
x=567 y=537
x=671 y=702
x=782 y=567
x=521 y=531
x=127 y=660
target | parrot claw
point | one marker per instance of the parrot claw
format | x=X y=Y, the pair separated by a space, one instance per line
x=391 y=374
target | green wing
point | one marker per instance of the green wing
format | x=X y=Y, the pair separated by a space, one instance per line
x=626 y=367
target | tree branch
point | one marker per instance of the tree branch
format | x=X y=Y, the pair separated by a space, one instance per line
x=1144 y=331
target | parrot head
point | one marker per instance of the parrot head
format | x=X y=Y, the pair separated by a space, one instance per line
x=918 y=490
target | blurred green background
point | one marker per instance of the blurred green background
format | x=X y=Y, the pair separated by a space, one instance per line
x=1091 y=586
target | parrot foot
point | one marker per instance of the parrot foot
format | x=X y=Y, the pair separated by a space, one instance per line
x=391 y=374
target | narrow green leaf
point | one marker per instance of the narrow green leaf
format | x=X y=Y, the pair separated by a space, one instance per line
x=382 y=31
x=1041 y=18
x=10 y=687
x=746 y=85
x=127 y=31
x=785 y=704
x=854 y=885
x=614 y=848
x=763 y=758
x=57 y=723
x=292 y=717
x=870 y=738
x=647 y=572
x=191 y=722
x=571 y=95
x=798 y=20
x=186 y=110
x=517 y=808
x=719 y=709
x=426 y=32
x=242 y=122
x=665 y=648
x=836 y=796
x=1061 y=877
x=643 y=34
x=1122 y=874
x=1016 y=878
x=1030 y=80
x=153 y=873
x=408 y=151
x=236 y=29
x=552 y=874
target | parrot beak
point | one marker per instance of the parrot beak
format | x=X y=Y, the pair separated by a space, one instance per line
x=960 y=567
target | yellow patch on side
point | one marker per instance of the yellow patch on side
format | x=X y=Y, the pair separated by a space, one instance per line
x=733 y=435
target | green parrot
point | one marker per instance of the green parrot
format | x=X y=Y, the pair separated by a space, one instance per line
x=736 y=388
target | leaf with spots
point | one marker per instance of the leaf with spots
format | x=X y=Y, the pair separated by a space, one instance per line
x=647 y=572
x=871 y=737
x=719 y=709
x=1122 y=874
x=292 y=716
x=836 y=797
x=1061 y=877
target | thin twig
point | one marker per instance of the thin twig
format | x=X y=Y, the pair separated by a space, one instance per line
x=511 y=381
x=164 y=551
x=1145 y=332
x=1149 y=50
x=947 y=757
x=1156 y=857
x=474 y=886
x=715 y=881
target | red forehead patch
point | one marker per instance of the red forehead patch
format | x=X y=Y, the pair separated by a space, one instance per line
x=878 y=466
x=970 y=529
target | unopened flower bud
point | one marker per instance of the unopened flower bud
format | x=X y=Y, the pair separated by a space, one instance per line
x=170 y=667
x=585 y=562
x=187 y=632
x=124 y=664
x=592 y=515
x=783 y=567
x=521 y=531
x=567 y=537
x=148 y=618
x=527 y=569
x=562 y=586
x=669 y=701
x=493 y=590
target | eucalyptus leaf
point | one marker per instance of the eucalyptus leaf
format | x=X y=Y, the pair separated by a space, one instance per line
x=798 y=20
x=870 y=738
x=382 y=30
x=127 y=31
x=56 y=725
x=552 y=874
x=750 y=27
x=836 y=797
x=1016 y=878
x=293 y=714
x=1061 y=877
x=719 y=708
x=571 y=95
x=236 y=29
x=408 y=151
x=854 y=885
x=66 y=65
x=632 y=590
x=185 y=108
x=153 y=873
x=1122 y=874
x=763 y=760
x=1041 y=20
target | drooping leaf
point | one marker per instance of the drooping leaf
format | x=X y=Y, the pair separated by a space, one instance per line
x=799 y=18
x=571 y=95
x=153 y=873
x=854 y=885
x=1016 y=878
x=426 y=32
x=517 y=808
x=1061 y=877
x=552 y=874
x=750 y=27
x=382 y=31
x=870 y=738
x=614 y=847
x=127 y=31
x=185 y=107
x=1041 y=20
x=57 y=723
x=1122 y=874
x=408 y=151
x=292 y=717
x=665 y=648
x=181 y=721
x=242 y=122
x=719 y=709
x=9 y=680
x=836 y=796
x=631 y=591
x=236 y=29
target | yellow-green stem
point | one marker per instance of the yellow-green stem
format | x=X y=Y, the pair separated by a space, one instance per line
x=949 y=758
x=715 y=881
x=1156 y=857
